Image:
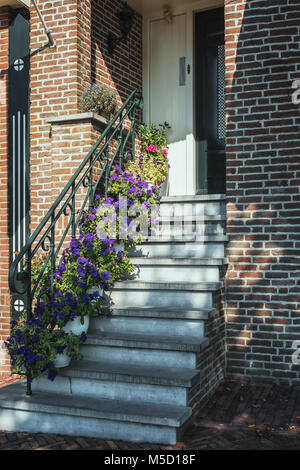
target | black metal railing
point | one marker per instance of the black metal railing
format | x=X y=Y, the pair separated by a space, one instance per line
x=93 y=173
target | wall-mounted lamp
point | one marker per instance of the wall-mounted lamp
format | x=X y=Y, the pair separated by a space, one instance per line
x=125 y=18
x=168 y=15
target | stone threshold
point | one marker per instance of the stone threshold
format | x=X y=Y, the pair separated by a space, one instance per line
x=79 y=117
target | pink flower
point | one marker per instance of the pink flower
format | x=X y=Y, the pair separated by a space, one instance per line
x=152 y=148
x=164 y=152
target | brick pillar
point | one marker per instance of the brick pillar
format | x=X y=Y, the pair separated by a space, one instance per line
x=58 y=76
x=263 y=181
x=4 y=240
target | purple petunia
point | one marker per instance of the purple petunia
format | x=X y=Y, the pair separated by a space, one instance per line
x=105 y=276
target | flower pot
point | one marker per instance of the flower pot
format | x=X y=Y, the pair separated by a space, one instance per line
x=76 y=327
x=104 y=114
x=62 y=360
x=164 y=187
x=120 y=246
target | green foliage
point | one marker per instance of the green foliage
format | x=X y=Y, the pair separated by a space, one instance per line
x=34 y=344
x=153 y=135
x=39 y=264
x=92 y=260
x=67 y=342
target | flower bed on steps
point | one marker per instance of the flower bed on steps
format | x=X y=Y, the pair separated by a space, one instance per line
x=91 y=264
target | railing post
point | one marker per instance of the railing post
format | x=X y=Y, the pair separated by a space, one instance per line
x=106 y=168
x=120 y=138
x=73 y=211
x=91 y=182
x=29 y=311
x=133 y=138
x=52 y=251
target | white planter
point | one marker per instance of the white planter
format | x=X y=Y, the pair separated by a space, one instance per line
x=95 y=289
x=62 y=360
x=120 y=246
x=76 y=327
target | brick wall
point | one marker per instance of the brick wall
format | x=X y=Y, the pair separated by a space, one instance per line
x=122 y=71
x=4 y=241
x=211 y=361
x=58 y=77
x=263 y=180
x=54 y=82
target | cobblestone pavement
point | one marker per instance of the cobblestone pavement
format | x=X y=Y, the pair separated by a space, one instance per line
x=240 y=416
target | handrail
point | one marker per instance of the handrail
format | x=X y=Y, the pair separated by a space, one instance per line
x=44 y=235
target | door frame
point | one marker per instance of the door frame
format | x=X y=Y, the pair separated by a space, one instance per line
x=189 y=9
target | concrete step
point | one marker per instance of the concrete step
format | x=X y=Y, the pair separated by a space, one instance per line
x=130 y=381
x=177 y=269
x=183 y=247
x=132 y=373
x=48 y=412
x=213 y=204
x=145 y=341
x=138 y=355
x=153 y=326
x=184 y=225
x=142 y=349
x=179 y=261
x=164 y=294
x=163 y=313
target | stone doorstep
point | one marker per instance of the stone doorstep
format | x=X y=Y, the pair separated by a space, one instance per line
x=186 y=238
x=204 y=218
x=169 y=286
x=194 y=198
x=164 y=313
x=143 y=261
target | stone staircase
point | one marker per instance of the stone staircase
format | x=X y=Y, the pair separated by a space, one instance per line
x=159 y=357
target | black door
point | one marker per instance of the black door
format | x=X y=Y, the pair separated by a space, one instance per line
x=18 y=125
x=210 y=101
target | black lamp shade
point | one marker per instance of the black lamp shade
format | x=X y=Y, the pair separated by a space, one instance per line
x=125 y=18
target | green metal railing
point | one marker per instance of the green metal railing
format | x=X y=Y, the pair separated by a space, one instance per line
x=91 y=174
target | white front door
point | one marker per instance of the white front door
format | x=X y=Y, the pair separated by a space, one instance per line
x=168 y=80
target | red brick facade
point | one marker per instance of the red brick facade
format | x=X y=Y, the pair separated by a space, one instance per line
x=122 y=71
x=263 y=180
x=59 y=75
x=262 y=147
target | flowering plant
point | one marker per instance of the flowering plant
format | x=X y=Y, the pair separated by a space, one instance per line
x=152 y=167
x=68 y=342
x=153 y=135
x=33 y=346
x=98 y=98
x=141 y=197
x=92 y=260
